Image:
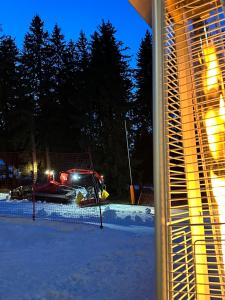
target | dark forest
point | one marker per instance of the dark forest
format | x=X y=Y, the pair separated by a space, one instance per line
x=74 y=97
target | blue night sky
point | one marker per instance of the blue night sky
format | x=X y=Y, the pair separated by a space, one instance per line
x=73 y=16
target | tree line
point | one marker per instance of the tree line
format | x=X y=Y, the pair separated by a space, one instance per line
x=72 y=96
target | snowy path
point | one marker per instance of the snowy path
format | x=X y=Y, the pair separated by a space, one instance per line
x=45 y=260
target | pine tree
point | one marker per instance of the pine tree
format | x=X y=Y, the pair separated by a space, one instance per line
x=83 y=55
x=110 y=95
x=34 y=88
x=33 y=59
x=8 y=90
x=142 y=113
x=75 y=93
x=83 y=90
x=68 y=107
x=32 y=73
x=143 y=76
x=51 y=116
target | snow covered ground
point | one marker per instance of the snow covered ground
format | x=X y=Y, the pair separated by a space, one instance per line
x=45 y=260
x=118 y=214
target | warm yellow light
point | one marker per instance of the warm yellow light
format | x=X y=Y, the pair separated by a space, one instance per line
x=212 y=75
x=218 y=186
x=215 y=128
x=222 y=108
x=35 y=167
x=49 y=172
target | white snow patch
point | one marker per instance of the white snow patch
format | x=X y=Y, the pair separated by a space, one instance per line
x=4 y=196
x=45 y=260
x=118 y=214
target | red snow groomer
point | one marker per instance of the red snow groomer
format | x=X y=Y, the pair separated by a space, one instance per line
x=89 y=185
x=85 y=187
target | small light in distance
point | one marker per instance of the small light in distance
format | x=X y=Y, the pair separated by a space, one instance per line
x=49 y=172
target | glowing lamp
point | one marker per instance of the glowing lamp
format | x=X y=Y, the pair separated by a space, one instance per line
x=75 y=177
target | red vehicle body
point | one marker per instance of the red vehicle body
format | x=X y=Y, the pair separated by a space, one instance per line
x=66 y=177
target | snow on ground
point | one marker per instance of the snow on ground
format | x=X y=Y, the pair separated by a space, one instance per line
x=45 y=260
x=118 y=214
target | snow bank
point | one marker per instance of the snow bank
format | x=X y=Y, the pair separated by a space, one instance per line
x=119 y=214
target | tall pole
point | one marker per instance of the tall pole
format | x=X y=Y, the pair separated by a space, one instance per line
x=160 y=172
x=34 y=161
x=132 y=197
x=95 y=188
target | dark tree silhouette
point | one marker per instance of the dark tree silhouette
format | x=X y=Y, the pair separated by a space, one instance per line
x=110 y=95
x=50 y=116
x=33 y=84
x=142 y=113
x=70 y=97
x=8 y=91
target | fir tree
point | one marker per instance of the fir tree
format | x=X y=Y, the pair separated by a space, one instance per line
x=68 y=108
x=51 y=116
x=75 y=92
x=142 y=113
x=33 y=59
x=33 y=88
x=83 y=89
x=8 y=91
x=143 y=76
x=32 y=73
x=110 y=95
